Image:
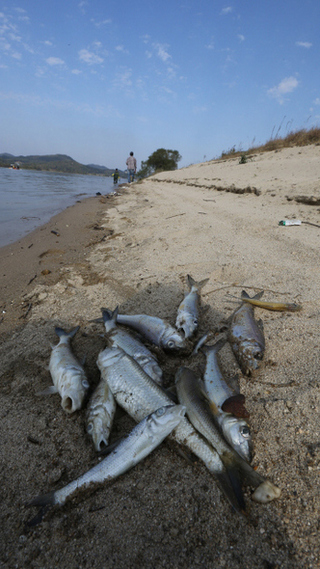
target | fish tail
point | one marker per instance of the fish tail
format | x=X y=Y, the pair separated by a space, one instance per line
x=45 y=500
x=214 y=347
x=108 y=315
x=198 y=285
x=245 y=295
x=62 y=333
x=234 y=482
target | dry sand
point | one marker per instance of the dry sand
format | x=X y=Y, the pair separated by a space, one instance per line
x=217 y=220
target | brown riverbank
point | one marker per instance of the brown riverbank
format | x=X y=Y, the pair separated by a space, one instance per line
x=217 y=220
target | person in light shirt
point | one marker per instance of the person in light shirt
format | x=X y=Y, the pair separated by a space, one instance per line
x=131 y=166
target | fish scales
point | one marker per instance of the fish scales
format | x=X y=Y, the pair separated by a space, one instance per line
x=188 y=311
x=100 y=414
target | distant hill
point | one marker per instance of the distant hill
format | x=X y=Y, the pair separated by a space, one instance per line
x=54 y=163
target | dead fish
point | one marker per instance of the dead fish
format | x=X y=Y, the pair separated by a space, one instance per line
x=118 y=337
x=68 y=376
x=246 y=337
x=235 y=430
x=142 y=440
x=277 y=306
x=155 y=330
x=188 y=311
x=100 y=414
x=191 y=394
x=135 y=392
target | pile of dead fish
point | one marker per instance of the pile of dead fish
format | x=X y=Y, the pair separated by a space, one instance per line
x=214 y=428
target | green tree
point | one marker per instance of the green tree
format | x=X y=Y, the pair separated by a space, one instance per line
x=161 y=160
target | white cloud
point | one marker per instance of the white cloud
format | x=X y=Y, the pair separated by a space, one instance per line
x=102 y=22
x=76 y=71
x=123 y=79
x=162 y=52
x=121 y=48
x=226 y=10
x=54 y=61
x=305 y=44
x=316 y=101
x=89 y=57
x=285 y=86
x=241 y=37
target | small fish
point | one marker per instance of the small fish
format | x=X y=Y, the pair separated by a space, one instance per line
x=188 y=311
x=118 y=337
x=154 y=330
x=246 y=336
x=142 y=440
x=235 y=430
x=100 y=414
x=191 y=394
x=135 y=392
x=279 y=306
x=68 y=376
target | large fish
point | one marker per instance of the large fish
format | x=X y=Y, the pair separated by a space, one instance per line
x=222 y=398
x=68 y=376
x=118 y=337
x=154 y=330
x=142 y=440
x=188 y=311
x=100 y=414
x=246 y=337
x=190 y=393
x=135 y=392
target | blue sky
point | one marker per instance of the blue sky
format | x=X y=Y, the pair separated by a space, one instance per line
x=95 y=79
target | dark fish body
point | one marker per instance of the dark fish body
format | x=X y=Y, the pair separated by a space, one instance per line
x=246 y=337
x=191 y=394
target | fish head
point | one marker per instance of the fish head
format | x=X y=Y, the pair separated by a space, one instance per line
x=252 y=354
x=72 y=396
x=96 y=429
x=172 y=341
x=237 y=433
x=165 y=419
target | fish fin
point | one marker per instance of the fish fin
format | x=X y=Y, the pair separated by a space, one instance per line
x=216 y=347
x=61 y=332
x=97 y=320
x=108 y=315
x=199 y=284
x=37 y=519
x=45 y=500
x=231 y=491
x=172 y=393
x=47 y=391
x=260 y=324
x=235 y=480
x=111 y=447
x=245 y=295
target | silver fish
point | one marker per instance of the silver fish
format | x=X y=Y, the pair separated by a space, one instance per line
x=135 y=392
x=100 y=414
x=154 y=330
x=68 y=376
x=188 y=311
x=235 y=429
x=190 y=393
x=246 y=337
x=118 y=337
x=142 y=440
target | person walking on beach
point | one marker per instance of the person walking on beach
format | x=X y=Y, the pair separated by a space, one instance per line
x=132 y=167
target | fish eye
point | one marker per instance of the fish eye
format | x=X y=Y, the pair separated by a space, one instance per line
x=245 y=432
x=171 y=344
x=195 y=322
x=160 y=412
x=85 y=383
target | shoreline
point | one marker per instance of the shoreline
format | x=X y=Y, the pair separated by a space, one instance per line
x=135 y=250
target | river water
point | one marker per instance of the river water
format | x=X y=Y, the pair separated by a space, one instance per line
x=29 y=198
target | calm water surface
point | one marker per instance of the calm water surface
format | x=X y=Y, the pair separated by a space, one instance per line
x=29 y=199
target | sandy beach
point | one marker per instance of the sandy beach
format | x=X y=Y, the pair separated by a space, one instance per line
x=217 y=220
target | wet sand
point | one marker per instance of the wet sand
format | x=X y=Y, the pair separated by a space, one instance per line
x=217 y=220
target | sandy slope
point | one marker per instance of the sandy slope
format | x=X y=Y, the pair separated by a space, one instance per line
x=217 y=220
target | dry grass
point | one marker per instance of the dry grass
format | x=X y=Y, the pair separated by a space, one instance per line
x=301 y=137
